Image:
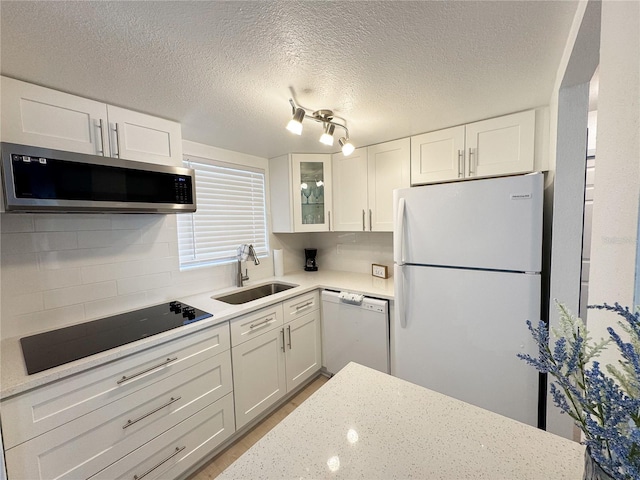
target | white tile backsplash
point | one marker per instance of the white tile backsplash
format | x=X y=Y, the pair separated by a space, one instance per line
x=60 y=269
x=62 y=297
x=19 y=304
x=121 y=303
x=114 y=271
x=71 y=222
x=16 y=223
x=143 y=283
x=42 y=320
x=108 y=238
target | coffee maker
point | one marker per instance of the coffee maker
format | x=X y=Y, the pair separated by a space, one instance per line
x=310 y=259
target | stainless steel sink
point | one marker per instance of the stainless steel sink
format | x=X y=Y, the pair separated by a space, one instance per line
x=254 y=293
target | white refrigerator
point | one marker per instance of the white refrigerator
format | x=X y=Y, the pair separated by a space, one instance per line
x=468 y=257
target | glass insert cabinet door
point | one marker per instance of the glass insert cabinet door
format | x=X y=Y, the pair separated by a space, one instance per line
x=312 y=192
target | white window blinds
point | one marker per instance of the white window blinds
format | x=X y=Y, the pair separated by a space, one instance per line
x=230 y=211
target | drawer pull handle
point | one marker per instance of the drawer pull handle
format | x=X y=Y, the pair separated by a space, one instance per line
x=166 y=362
x=131 y=422
x=175 y=452
x=305 y=305
x=261 y=324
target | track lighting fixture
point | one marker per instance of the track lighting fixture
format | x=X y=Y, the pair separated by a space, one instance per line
x=329 y=124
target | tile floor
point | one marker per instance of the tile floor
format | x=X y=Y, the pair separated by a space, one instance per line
x=233 y=452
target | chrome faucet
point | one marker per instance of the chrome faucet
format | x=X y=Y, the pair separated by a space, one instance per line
x=240 y=278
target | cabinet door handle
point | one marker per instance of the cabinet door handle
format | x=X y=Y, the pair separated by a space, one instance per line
x=102 y=142
x=370 y=221
x=363 y=227
x=289 y=332
x=305 y=305
x=461 y=163
x=116 y=143
x=157 y=409
x=470 y=161
x=261 y=324
x=282 y=332
x=329 y=214
x=175 y=452
x=166 y=362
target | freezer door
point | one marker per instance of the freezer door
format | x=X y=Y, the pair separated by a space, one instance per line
x=494 y=224
x=461 y=332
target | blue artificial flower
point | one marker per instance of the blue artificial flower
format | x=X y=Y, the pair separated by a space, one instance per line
x=606 y=407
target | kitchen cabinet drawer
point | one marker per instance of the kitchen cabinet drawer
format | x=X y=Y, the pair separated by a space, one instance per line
x=40 y=410
x=175 y=451
x=300 y=305
x=256 y=323
x=87 y=445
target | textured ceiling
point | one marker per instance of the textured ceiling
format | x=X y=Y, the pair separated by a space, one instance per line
x=225 y=70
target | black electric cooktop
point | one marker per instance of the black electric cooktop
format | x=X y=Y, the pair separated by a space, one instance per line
x=57 y=347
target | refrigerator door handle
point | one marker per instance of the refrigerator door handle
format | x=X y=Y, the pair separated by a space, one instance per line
x=398 y=244
x=399 y=293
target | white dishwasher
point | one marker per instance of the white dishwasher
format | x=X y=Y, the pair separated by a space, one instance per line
x=355 y=328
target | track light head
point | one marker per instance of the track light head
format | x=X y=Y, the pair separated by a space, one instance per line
x=327 y=136
x=295 y=124
x=347 y=146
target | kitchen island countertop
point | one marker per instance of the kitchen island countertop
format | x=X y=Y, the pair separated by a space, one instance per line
x=366 y=424
x=14 y=378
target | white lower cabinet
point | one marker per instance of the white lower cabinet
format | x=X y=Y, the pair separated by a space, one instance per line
x=268 y=366
x=258 y=374
x=186 y=389
x=303 y=353
x=171 y=454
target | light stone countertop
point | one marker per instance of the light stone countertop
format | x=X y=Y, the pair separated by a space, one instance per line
x=13 y=374
x=366 y=424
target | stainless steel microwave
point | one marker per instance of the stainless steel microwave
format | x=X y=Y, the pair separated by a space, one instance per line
x=43 y=180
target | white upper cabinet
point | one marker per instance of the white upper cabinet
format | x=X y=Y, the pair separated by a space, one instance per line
x=42 y=117
x=437 y=156
x=364 y=183
x=33 y=115
x=501 y=146
x=141 y=137
x=300 y=193
x=498 y=146
x=388 y=169
x=350 y=197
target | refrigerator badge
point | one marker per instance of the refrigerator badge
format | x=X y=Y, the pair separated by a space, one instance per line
x=520 y=196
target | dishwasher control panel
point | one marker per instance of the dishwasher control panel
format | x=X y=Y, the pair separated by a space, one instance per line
x=375 y=307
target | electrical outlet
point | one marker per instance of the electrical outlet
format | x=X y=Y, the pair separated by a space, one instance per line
x=379 y=270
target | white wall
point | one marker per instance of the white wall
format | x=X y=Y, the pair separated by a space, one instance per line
x=569 y=112
x=617 y=191
x=59 y=269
